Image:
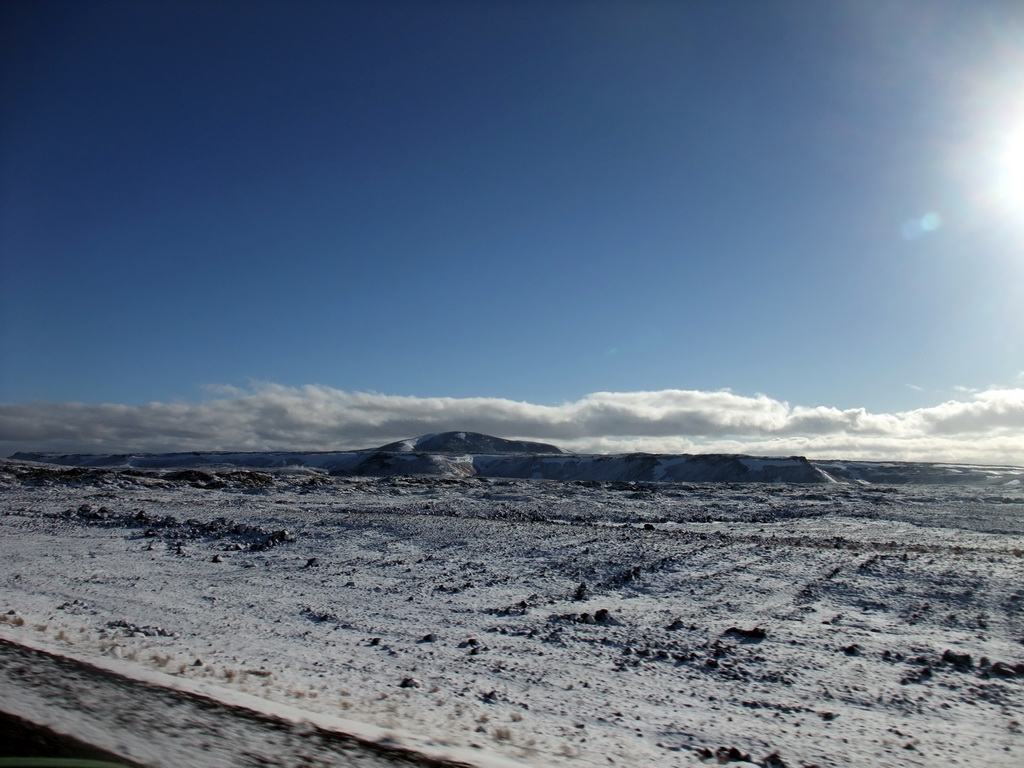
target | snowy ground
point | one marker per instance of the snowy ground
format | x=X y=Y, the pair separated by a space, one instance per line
x=553 y=623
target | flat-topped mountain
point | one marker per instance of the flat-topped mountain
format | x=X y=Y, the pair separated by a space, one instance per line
x=471 y=454
x=467 y=442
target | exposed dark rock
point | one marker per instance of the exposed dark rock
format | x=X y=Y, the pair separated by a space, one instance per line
x=196 y=478
x=136 y=630
x=1002 y=669
x=723 y=755
x=917 y=676
x=961 y=660
x=320 y=617
x=754 y=635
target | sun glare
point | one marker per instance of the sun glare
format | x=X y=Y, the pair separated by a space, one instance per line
x=1011 y=169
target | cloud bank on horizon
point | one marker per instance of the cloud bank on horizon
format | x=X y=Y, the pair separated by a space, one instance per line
x=985 y=427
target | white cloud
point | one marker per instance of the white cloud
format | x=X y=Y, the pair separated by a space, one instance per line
x=984 y=427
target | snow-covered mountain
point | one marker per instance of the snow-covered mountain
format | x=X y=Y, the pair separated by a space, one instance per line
x=502 y=459
x=466 y=454
x=466 y=442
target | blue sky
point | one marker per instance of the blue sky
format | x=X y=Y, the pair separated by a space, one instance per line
x=203 y=204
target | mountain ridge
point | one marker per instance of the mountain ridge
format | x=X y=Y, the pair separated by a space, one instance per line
x=473 y=454
x=467 y=442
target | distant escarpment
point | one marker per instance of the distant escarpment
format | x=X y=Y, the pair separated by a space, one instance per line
x=470 y=454
x=467 y=454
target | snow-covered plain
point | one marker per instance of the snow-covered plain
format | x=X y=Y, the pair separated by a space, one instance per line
x=553 y=623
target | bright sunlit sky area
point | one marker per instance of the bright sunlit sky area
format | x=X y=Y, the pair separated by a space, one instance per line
x=763 y=226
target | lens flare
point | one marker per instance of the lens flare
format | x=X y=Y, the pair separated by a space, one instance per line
x=918 y=227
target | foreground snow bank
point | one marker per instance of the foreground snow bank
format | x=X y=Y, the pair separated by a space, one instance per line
x=142 y=716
